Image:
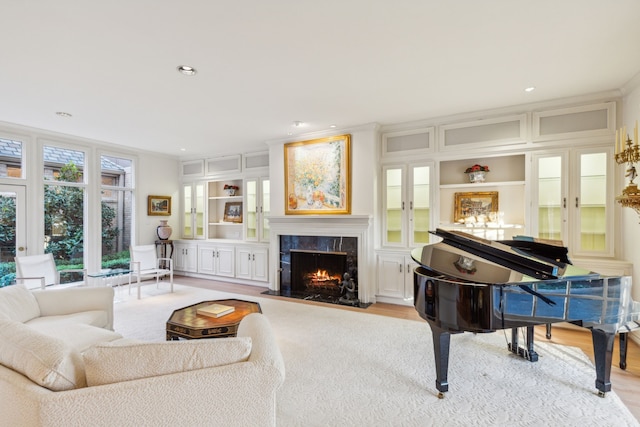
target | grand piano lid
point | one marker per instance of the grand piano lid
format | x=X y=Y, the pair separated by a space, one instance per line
x=485 y=261
x=502 y=254
x=455 y=263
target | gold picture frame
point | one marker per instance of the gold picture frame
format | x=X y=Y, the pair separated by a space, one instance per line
x=159 y=205
x=474 y=204
x=233 y=212
x=317 y=176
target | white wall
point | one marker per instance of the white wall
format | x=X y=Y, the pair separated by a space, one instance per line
x=630 y=219
x=156 y=176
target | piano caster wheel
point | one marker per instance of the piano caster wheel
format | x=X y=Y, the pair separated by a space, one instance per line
x=601 y=394
x=623 y=365
x=440 y=395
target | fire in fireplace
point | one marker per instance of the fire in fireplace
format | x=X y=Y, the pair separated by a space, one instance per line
x=313 y=271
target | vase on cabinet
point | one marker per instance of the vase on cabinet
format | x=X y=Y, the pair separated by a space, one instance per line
x=477 y=176
x=164 y=230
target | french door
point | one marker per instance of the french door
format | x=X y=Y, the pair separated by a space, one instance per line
x=13 y=231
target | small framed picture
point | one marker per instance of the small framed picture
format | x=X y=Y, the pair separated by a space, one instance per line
x=159 y=205
x=233 y=212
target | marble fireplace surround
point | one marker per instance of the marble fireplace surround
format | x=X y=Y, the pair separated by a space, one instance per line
x=358 y=226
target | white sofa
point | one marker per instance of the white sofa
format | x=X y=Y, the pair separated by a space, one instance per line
x=227 y=381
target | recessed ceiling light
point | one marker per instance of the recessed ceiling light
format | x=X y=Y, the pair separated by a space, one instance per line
x=529 y=89
x=63 y=114
x=332 y=126
x=187 y=70
x=183 y=149
x=298 y=123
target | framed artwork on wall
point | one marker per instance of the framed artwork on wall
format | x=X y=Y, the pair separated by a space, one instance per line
x=318 y=176
x=475 y=204
x=159 y=205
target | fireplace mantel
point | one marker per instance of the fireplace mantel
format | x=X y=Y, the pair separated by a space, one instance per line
x=358 y=226
x=329 y=221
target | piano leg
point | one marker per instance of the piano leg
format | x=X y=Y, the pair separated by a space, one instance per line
x=441 y=341
x=603 y=353
x=531 y=355
x=548 y=334
x=623 y=350
x=527 y=353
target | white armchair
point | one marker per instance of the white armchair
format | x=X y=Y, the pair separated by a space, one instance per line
x=145 y=263
x=42 y=270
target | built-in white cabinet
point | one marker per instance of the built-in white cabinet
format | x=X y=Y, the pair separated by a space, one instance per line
x=217 y=260
x=395 y=277
x=185 y=257
x=252 y=263
x=225 y=203
x=573 y=199
x=257 y=208
x=407 y=201
x=193 y=210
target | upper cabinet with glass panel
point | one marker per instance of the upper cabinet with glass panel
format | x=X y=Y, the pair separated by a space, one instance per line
x=407 y=142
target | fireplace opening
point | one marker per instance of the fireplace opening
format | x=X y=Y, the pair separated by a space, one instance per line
x=320 y=268
x=313 y=271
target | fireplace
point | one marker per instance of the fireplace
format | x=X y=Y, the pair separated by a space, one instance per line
x=319 y=268
x=333 y=244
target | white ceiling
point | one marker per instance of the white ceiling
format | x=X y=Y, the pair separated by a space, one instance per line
x=264 y=64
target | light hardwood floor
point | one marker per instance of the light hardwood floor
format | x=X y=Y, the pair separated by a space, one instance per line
x=626 y=383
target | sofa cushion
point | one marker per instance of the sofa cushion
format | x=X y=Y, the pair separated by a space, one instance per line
x=45 y=360
x=92 y=317
x=124 y=360
x=18 y=303
x=80 y=336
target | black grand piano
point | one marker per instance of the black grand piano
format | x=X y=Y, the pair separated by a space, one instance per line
x=468 y=284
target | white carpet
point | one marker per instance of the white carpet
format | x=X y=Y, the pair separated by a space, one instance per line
x=346 y=368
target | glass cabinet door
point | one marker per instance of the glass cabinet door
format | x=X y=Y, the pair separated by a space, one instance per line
x=257 y=199
x=552 y=199
x=592 y=202
x=251 y=200
x=573 y=189
x=266 y=209
x=394 y=207
x=407 y=201
x=193 y=199
x=419 y=205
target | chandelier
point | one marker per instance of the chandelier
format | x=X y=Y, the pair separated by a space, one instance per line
x=627 y=152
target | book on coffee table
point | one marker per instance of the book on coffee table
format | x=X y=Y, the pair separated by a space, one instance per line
x=215 y=310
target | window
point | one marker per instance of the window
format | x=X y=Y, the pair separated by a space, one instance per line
x=116 y=174
x=64 y=207
x=10 y=159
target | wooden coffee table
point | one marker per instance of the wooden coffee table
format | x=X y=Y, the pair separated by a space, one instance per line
x=186 y=323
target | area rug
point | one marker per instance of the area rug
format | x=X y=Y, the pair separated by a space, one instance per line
x=352 y=368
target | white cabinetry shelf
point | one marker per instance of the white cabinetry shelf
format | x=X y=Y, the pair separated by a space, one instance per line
x=483 y=184
x=506 y=176
x=220 y=201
